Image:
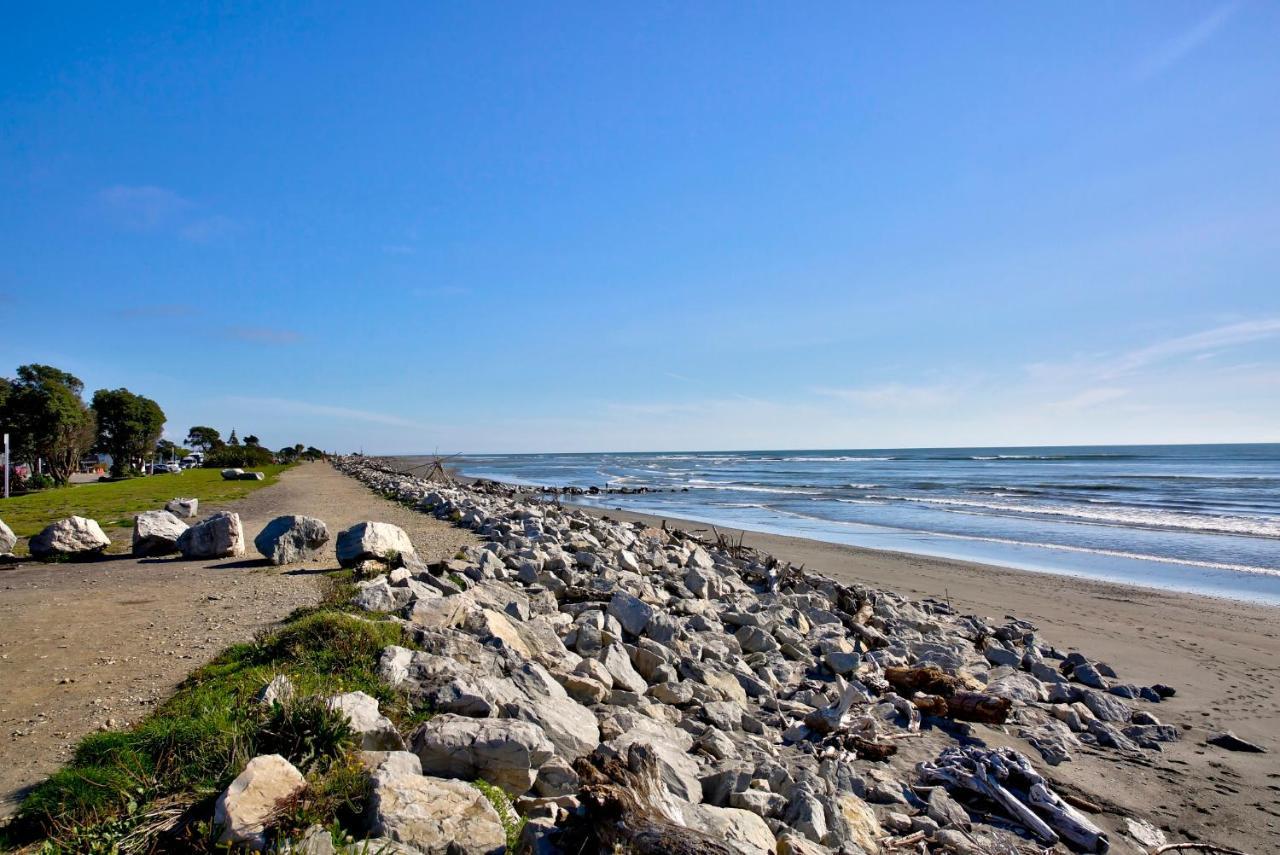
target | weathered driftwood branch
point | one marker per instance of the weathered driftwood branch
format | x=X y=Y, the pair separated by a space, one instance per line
x=626 y=808
x=966 y=706
x=1196 y=847
x=1007 y=778
x=834 y=718
x=926 y=679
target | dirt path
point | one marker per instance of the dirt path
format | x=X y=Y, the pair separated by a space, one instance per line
x=88 y=645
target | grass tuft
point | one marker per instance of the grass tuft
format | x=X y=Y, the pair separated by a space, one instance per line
x=191 y=747
x=512 y=822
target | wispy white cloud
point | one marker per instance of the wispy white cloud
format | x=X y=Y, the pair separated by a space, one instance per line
x=1197 y=346
x=1088 y=398
x=209 y=229
x=1217 y=338
x=286 y=405
x=148 y=208
x=1178 y=48
x=143 y=208
x=893 y=395
x=262 y=335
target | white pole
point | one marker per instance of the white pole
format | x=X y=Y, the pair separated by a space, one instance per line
x=6 y=465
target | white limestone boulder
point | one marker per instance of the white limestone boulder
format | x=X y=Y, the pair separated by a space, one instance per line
x=248 y=807
x=74 y=537
x=290 y=539
x=7 y=538
x=370 y=540
x=156 y=533
x=219 y=536
x=434 y=816
x=183 y=508
x=505 y=752
x=373 y=730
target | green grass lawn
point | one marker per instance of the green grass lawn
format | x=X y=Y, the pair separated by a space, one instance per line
x=114 y=503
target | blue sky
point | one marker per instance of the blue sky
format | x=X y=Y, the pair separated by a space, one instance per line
x=523 y=227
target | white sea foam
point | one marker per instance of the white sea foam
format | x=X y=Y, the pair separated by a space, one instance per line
x=1251 y=526
x=1061 y=547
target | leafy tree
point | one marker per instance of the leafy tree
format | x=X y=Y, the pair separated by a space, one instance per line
x=288 y=454
x=204 y=438
x=313 y=453
x=243 y=456
x=233 y=440
x=47 y=419
x=168 y=450
x=129 y=426
x=252 y=440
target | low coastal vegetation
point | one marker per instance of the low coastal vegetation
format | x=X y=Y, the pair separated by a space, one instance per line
x=153 y=786
x=53 y=434
x=114 y=503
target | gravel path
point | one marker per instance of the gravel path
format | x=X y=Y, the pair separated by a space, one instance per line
x=84 y=646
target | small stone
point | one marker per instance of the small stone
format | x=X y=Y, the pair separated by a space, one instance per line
x=373 y=730
x=252 y=802
x=1231 y=742
x=183 y=508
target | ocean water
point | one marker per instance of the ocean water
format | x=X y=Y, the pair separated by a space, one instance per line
x=1203 y=519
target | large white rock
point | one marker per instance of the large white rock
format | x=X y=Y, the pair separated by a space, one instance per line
x=379 y=595
x=219 y=536
x=156 y=533
x=677 y=768
x=232 y=474
x=569 y=725
x=434 y=816
x=741 y=830
x=633 y=613
x=372 y=540
x=618 y=664
x=74 y=536
x=487 y=623
x=183 y=508
x=505 y=752
x=374 y=730
x=252 y=802
x=289 y=539
x=7 y=538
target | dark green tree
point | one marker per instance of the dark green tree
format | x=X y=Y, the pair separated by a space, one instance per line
x=204 y=438
x=168 y=450
x=47 y=419
x=251 y=439
x=129 y=426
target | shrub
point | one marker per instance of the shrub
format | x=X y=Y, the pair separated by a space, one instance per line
x=238 y=457
x=306 y=733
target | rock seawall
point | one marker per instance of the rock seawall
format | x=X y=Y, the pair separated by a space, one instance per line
x=645 y=688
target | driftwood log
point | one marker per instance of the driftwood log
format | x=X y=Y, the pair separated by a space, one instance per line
x=626 y=808
x=927 y=679
x=1007 y=778
x=935 y=692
